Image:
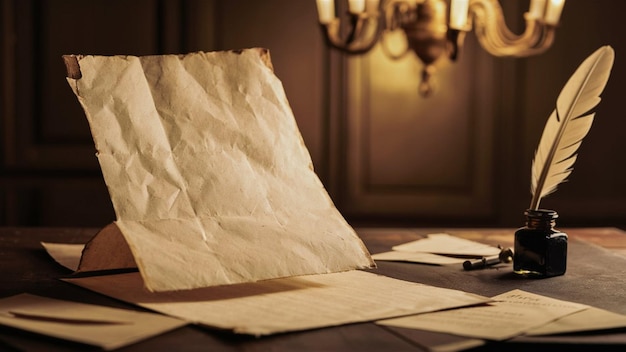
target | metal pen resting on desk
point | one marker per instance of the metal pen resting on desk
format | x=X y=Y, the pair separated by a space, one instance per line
x=505 y=256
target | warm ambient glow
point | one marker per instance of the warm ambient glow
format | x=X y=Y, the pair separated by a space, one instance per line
x=434 y=31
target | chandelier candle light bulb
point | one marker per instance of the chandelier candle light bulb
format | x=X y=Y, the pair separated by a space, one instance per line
x=553 y=12
x=537 y=9
x=458 y=14
x=356 y=6
x=325 y=11
x=549 y=11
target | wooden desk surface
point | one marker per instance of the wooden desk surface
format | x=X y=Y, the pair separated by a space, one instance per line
x=596 y=276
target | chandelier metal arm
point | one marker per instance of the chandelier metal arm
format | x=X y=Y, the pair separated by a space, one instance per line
x=362 y=33
x=496 y=37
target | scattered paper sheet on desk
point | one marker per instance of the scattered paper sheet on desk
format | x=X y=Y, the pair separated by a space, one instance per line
x=66 y=254
x=443 y=243
x=105 y=327
x=306 y=302
x=207 y=171
x=512 y=314
x=590 y=319
x=417 y=257
x=287 y=304
x=438 y=249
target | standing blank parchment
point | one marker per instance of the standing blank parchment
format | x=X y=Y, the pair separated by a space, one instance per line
x=208 y=174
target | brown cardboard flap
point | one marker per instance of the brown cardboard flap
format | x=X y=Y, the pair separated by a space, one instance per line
x=107 y=250
x=72 y=67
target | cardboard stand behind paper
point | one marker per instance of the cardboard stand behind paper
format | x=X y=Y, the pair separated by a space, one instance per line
x=107 y=250
x=207 y=172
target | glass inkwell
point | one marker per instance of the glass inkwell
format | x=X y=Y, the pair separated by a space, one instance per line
x=540 y=250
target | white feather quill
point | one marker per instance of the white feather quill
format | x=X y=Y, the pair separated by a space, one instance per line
x=569 y=124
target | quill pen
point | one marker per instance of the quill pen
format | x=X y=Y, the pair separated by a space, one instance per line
x=569 y=124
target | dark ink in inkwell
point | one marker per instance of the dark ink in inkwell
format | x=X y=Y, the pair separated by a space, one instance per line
x=540 y=250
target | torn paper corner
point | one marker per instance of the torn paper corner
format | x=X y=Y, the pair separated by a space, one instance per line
x=207 y=172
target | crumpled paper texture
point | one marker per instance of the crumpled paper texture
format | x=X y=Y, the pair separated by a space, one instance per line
x=207 y=171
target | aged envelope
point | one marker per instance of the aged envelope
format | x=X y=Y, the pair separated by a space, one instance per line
x=207 y=171
x=107 y=328
x=287 y=304
x=512 y=314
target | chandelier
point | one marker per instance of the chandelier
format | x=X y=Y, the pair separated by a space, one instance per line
x=436 y=28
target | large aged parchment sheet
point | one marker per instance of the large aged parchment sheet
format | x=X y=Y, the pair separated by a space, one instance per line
x=207 y=171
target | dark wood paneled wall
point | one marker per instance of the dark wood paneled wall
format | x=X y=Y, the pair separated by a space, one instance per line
x=49 y=173
x=461 y=157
